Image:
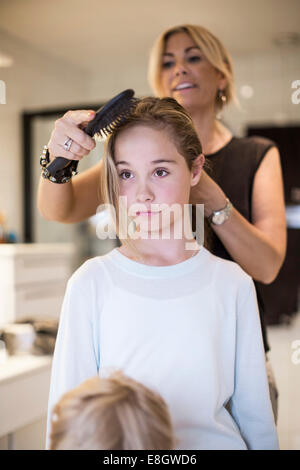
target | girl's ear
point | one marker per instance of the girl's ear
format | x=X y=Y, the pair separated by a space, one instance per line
x=197 y=169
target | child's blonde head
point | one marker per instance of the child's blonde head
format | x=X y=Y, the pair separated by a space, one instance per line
x=113 y=413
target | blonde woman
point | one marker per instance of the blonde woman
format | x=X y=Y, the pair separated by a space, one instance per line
x=162 y=308
x=244 y=183
x=110 y=413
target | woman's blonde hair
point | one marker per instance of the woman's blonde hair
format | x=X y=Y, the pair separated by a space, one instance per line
x=158 y=113
x=112 y=413
x=213 y=49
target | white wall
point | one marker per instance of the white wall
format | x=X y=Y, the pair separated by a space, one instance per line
x=271 y=76
x=33 y=82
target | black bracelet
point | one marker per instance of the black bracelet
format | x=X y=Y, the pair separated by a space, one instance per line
x=61 y=176
x=45 y=157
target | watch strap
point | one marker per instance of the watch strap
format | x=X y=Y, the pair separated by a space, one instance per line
x=225 y=211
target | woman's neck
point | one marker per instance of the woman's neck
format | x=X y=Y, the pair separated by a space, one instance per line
x=212 y=134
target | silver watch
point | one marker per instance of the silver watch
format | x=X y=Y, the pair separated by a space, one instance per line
x=218 y=217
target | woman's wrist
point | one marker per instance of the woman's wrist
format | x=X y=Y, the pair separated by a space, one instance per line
x=215 y=203
x=54 y=173
x=209 y=193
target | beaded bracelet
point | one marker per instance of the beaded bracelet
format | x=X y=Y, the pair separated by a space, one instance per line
x=61 y=176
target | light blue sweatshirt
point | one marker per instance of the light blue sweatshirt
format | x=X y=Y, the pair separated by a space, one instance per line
x=189 y=331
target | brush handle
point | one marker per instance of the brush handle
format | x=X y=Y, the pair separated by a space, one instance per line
x=58 y=164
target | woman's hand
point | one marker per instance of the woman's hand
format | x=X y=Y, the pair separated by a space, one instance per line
x=70 y=126
x=258 y=247
x=209 y=193
x=78 y=199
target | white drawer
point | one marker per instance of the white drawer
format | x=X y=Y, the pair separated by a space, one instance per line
x=33 y=279
x=42 y=299
x=28 y=263
x=37 y=268
x=31 y=300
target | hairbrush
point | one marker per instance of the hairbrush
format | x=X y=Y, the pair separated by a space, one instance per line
x=106 y=120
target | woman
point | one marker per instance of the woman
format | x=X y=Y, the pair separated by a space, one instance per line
x=183 y=322
x=191 y=65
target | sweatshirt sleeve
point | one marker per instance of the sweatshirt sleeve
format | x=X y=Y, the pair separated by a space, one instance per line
x=251 y=405
x=75 y=356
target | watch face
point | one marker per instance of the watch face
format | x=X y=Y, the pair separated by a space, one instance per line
x=218 y=219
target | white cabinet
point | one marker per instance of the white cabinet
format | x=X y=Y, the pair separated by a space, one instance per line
x=24 y=391
x=33 y=278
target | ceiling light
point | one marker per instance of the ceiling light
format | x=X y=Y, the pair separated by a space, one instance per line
x=5 y=60
x=246 y=91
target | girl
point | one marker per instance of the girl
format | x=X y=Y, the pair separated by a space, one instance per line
x=192 y=65
x=166 y=311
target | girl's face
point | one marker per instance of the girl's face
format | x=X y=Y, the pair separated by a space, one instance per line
x=152 y=175
x=187 y=75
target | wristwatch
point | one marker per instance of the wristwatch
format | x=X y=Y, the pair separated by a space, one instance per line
x=218 y=217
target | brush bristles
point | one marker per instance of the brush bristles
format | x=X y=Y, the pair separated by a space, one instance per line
x=107 y=125
x=112 y=114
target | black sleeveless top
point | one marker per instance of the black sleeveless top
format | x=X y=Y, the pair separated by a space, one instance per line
x=233 y=168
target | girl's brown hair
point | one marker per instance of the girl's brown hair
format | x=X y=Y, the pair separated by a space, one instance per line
x=112 y=413
x=213 y=49
x=158 y=113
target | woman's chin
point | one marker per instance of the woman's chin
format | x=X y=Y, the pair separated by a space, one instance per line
x=188 y=102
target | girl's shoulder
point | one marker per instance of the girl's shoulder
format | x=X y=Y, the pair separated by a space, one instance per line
x=228 y=273
x=90 y=272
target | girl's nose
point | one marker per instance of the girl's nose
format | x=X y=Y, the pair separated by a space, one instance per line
x=144 y=197
x=144 y=194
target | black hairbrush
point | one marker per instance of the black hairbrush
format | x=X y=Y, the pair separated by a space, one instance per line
x=107 y=118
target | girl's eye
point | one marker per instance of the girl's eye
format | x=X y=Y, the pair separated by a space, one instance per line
x=161 y=169
x=125 y=172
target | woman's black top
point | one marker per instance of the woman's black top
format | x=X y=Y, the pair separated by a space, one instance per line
x=233 y=167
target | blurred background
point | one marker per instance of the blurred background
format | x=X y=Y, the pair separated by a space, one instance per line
x=67 y=54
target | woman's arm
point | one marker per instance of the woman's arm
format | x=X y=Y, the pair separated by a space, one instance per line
x=71 y=202
x=250 y=404
x=259 y=248
x=77 y=200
